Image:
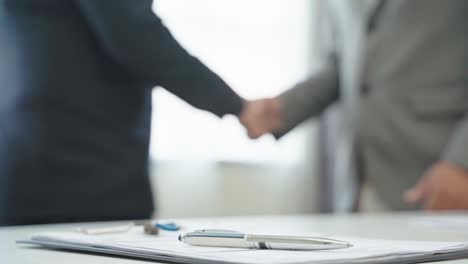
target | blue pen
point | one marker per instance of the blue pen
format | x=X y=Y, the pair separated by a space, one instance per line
x=167 y=226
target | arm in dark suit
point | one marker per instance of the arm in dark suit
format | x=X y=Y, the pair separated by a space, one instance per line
x=137 y=39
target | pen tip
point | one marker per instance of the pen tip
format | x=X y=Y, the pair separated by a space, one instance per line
x=180 y=237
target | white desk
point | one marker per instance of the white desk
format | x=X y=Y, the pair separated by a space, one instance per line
x=386 y=226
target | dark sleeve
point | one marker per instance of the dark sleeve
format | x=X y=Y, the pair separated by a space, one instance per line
x=137 y=39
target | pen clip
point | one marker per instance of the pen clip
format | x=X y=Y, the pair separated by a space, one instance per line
x=216 y=233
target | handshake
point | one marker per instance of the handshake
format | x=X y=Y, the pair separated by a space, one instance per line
x=262 y=116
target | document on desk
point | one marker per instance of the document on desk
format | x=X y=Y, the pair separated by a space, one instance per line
x=166 y=247
x=446 y=223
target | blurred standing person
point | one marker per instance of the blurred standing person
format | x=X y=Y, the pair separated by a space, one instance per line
x=75 y=117
x=395 y=72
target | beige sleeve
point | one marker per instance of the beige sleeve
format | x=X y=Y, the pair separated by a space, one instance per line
x=308 y=98
x=311 y=96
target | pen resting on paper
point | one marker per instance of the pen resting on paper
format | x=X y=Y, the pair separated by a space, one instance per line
x=226 y=238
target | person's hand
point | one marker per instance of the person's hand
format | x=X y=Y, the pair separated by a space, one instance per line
x=262 y=116
x=443 y=187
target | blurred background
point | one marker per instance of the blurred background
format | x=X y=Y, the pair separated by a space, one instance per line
x=215 y=170
x=386 y=79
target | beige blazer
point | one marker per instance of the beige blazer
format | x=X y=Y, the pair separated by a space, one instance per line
x=403 y=88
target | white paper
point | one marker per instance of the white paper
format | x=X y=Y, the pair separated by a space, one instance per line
x=167 y=244
x=454 y=223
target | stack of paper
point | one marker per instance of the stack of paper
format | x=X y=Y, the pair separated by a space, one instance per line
x=166 y=247
x=446 y=223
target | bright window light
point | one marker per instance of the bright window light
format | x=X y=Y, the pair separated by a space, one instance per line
x=260 y=48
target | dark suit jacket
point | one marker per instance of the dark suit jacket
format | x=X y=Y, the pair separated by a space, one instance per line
x=75 y=105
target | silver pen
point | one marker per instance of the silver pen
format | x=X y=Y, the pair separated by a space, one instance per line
x=234 y=239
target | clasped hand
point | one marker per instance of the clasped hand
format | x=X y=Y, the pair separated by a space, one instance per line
x=262 y=116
